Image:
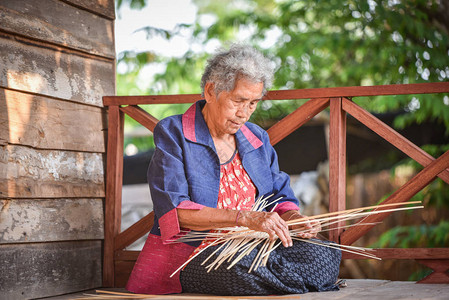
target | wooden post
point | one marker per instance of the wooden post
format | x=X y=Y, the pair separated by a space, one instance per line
x=391 y=136
x=114 y=174
x=440 y=269
x=337 y=162
x=296 y=119
x=404 y=193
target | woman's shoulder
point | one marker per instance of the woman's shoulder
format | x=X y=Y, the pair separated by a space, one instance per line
x=170 y=123
x=257 y=130
x=171 y=120
x=169 y=127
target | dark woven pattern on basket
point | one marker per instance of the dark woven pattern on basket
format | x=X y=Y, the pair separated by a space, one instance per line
x=302 y=268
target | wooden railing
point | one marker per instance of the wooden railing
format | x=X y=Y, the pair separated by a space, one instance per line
x=118 y=262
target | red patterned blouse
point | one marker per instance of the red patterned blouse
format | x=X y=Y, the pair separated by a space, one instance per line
x=237 y=191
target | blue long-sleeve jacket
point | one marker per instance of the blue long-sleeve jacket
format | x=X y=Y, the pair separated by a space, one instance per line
x=185 y=169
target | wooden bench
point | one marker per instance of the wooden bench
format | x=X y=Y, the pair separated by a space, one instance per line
x=118 y=262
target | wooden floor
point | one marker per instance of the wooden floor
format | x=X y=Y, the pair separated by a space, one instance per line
x=364 y=289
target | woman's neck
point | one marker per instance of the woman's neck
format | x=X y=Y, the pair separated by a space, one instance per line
x=224 y=142
x=215 y=131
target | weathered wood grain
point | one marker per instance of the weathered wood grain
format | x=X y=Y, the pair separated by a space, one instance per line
x=361 y=91
x=337 y=163
x=123 y=270
x=440 y=269
x=407 y=191
x=141 y=116
x=131 y=255
x=296 y=119
x=102 y=7
x=402 y=253
x=67 y=25
x=349 y=91
x=150 y=99
x=47 y=269
x=29 y=173
x=390 y=135
x=57 y=74
x=135 y=232
x=114 y=180
x=34 y=220
x=47 y=123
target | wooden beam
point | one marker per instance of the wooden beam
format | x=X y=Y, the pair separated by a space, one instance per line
x=123 y=270
x=392 y=136
x=140 y=116
x=296 y=119
x=384 y=253
x=334 y=92
x=54 y=72
x=32 y=21
x=337 y=163
x=40 y=270
x=440 y=269
x=150 y=99
x=50 y=220
x=134 y=232
x=404 y=253
x=114 y=173
x=33 y=173
x=100 y=7
x=46 y=123
x=360 y=91
x=126 y=255
x=403 y=194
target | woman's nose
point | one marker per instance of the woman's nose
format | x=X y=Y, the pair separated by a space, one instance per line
x=243 y=112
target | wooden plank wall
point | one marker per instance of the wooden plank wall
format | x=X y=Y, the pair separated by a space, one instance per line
x=57 y=60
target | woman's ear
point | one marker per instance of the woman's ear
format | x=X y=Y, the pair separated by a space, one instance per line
x=209 y=92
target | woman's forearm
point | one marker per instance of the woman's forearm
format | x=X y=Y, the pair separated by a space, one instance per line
x=210 y=218
x=311 y=228
x=207 y=218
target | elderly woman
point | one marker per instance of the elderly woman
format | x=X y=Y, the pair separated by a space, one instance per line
x=208 y=167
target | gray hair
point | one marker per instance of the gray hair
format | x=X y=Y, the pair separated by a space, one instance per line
x=227 y=66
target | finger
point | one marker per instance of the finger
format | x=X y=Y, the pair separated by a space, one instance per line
x=308 y=225
x=284 y=235
x=272 y=235
x=308 y=235
x=283 y=238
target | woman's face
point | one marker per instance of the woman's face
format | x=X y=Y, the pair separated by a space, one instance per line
x=230 y=110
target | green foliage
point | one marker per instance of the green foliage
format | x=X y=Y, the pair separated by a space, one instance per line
x=314 y=44
x=434 y=197
x=340 y=43
x=415 y=236
x=437 y=192
x=136 y=4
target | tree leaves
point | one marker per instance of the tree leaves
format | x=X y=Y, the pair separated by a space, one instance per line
x=318 y=44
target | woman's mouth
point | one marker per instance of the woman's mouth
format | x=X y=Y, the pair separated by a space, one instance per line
x=237 y=123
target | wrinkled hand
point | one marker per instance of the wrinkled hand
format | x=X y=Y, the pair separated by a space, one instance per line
x=269 y=222
x=311 y=227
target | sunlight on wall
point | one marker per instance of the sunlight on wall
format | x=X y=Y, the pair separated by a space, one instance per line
x=18 y=115
x=26 y=81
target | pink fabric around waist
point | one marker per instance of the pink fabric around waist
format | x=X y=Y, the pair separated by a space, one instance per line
x=156 y=262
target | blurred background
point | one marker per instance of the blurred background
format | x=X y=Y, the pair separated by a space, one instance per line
x=162 y=47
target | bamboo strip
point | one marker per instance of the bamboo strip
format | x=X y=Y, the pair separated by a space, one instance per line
x=355 y=209
x=120 y=295
x=241 y=241
x=190 y=259
x=335 y=247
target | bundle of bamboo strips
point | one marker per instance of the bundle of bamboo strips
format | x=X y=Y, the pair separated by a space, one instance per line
x=103 y=295
x=237 y=242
